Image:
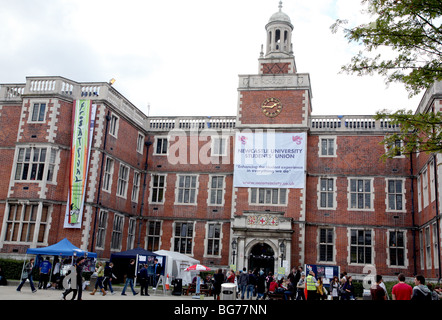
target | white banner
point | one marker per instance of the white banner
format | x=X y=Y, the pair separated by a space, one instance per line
x=269 y=160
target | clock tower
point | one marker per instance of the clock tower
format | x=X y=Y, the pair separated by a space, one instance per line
x=278 y=96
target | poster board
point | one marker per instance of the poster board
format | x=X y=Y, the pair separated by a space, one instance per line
x=327 y=272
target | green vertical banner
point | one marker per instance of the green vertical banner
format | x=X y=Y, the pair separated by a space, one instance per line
x=83 y=121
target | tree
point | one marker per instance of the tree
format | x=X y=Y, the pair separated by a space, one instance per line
x=413 y=32
x=411 y=29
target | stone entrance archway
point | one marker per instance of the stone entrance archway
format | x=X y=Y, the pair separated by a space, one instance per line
x=262 y=257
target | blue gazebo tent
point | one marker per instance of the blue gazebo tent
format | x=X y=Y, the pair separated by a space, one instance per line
x=63 y=248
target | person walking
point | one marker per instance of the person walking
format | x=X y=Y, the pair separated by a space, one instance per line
x=76 y=288
x=130 y=278
x=27 y=275
x=334 y=288
x=45 y=271
x=348 y=289
x=300 y=286
x=100 y=279
x=376 y=290
x=108 y=276
x=401 y=290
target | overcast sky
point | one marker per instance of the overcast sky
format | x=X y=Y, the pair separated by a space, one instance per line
x=184 y=57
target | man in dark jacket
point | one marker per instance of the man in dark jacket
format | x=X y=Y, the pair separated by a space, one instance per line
x=143 y=277
x=420 y=290
x=130 y=278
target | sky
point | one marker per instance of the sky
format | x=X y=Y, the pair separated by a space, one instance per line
x=183 y=58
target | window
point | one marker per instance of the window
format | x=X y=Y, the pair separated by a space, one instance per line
x=360 y=194
x=107 y=177
x=425 y=187
x=153 y=235
x=396 y=147
x=397 y=248
x=38 y=112
x=31 y=163
x=161 y=146
x=101 y=229
x=435 y=246
x=360 y=246
x=186 y=189
x=21 y=223
x=219 y=146
x=113 y=125
x=327 y=147
x=214 y=239
x=131 y=234
x=123 y=178
x=117 y=232
x=326 y=245
x=140 y=143
x=326 y=193
x=217 y=190
x=395 y=195
x=268 y=196
x=428 y=247
x=136 y=187
x=158 y=188
x=183 y=237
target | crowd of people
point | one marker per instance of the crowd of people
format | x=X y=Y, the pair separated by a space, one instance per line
x=301 y=286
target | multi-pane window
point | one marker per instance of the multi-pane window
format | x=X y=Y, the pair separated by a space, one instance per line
x=107 y=176
x=327 y=147
x=158 y=185
x=361 y=246
x=326 y=245
x=397 y=248
x=360 y=194
x=216 y=190
x=326 y=193
x=153 y=235
x=140 y=143
x=113 y=125
x=219 y=146
x=214 y=239
x=428 y=247
x=123 y=178
x=186 y=189
x=131 y=234
x=435 y=246
x=395 y=195
x=31 y=163
x=117 y=232
x=136 y=186
x=101 y=229
x=38 y=112
x=183 y=237
x=21 y=223
x=161 y=146
x=268 y=196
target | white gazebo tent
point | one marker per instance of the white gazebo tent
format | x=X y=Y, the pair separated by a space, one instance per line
x=176 y=263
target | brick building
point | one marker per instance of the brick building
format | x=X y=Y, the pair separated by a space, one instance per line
x=169 y=182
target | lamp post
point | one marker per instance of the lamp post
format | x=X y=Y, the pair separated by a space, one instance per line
x=234 y=246
x=282 y=249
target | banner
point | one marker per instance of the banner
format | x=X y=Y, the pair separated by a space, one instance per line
x=270 y=160
x=83 y=119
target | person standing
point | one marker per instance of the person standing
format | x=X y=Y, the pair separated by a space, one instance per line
x=243 y=282
x=143 y=277
x=377 y=292
x=300 y=286
x=45 y=271
x=401 y=290
x=130 y=278
x=218 y=280
x=252 y=283
x=261 y=285
x=27 y=275
x=157 y=271
x=420 y=290
x=348 y=289
x=311 y=286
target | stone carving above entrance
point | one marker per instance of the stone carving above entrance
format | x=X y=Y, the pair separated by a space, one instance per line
x=263 y=220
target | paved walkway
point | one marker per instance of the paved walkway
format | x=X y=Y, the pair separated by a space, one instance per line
x=10 y=292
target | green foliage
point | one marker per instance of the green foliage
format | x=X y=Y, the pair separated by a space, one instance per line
x=411 y=29
x=11 y=268
x=420 y=132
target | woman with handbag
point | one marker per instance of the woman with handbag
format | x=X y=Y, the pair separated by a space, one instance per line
x=27 y=275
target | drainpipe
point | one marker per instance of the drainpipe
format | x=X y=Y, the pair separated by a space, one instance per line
x=108 y=117
x=436 y=190
x=147 y=144
x=412 y=215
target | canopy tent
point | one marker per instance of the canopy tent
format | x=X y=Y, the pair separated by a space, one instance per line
x=176 y=263
x=121 y=261
x=132 y=254
x=62 y=248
